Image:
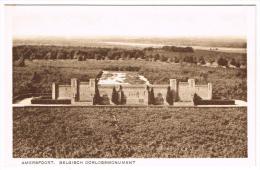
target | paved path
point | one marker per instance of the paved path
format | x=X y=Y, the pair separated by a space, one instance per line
x=124 y=106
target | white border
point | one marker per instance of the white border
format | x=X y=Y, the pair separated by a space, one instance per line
x=253 y=119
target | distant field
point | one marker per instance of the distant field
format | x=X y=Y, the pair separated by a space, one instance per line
x=227 y=42
x=38 y=75
x=123 y=132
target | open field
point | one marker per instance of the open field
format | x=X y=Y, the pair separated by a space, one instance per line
x=122 y=132
x=227 y=42
x=38 y=75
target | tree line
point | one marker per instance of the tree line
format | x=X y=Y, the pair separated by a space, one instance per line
x=83 y=53
x=31 y=52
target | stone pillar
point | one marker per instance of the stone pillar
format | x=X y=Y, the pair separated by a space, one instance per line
x=192 y=88
x=146 y=95
x=55 y=91
x=74 y=90
x=173 y=84
x=209 y=91
x=92 y=83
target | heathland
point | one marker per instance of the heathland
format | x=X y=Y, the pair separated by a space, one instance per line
x=79 y=132
x=37 y=75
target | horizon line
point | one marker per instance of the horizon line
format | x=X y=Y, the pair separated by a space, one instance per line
x=126 y=37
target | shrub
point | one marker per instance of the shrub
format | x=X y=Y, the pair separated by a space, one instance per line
x=114 y=96
x=216 y=102
x=169 y=96
x=118 y=97
x=176 y=60
x=97 y=98
x=177 y=49
x=80 y=58
x=50 y=101
x=233 y=62
x=150 y=95
x=35 y=77
x=159 y=99
x=222 y=62
x=202 y=60
x=105 y=100
x=122 y=99
x=196 y=99
x=99 y=74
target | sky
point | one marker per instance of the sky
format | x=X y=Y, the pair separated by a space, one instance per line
x=140 y=21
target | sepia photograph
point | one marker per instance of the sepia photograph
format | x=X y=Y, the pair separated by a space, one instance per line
x=119 y=81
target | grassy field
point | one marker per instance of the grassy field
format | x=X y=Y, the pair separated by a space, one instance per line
x=82 y=132
x=38 y=75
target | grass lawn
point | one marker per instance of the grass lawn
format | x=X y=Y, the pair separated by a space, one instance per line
x=81 y=132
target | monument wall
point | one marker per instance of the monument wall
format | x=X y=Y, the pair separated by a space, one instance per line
x=135 y=94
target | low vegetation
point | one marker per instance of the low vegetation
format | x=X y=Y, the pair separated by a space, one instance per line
x=122 y=132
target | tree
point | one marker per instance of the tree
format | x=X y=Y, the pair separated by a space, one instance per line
x=202 y=60
x=123 y=99
x=54 y=54
x=196 y=99
x=114 y=96
x=105 y=100
x=189 y=59
x=171 y=60
x=99 y=74
x=156 y=57
x=32 y=56
x=163 y=58
x=97 y=98
x=204 y=77
x=60 y=55
x=169 y=96
x=211 y=61
x=48 y=56
x=36 y=77
x=233 y=62
x=176 y=60
x=150 y=96
x=121 y=96
x=222 y=62
x=238 y=64
x=20 y=62
x=159 y=99
x=80 y=58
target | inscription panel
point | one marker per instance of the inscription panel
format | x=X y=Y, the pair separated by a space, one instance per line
x=202 y=91
x=64 y=92
x=185 y=92
x=85 y=93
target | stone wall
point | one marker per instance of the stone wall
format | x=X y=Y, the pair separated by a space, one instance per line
x=160 y=90
x=86 y=93
x=184 y=92
x=204 y=91
x=135 y=94
x=64 y=92
x=61 y=91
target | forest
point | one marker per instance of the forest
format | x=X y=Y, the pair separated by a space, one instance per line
x=164 y=54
